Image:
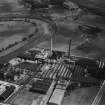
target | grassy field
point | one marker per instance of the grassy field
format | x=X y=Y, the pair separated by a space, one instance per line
x=67 y=30
x=33 y=42
x=9 y=5
x=82 y=96
x=11 y=32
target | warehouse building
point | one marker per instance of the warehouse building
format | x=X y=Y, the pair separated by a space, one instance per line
x=41 y=86
x=57 y=97
x=6 y=90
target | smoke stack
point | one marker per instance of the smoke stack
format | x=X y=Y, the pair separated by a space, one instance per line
x=69 y=48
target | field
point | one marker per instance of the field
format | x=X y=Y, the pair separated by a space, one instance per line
x=11 y=32
x=66 y=30
x=82 y=96
x=9 y=5
x=69 y=30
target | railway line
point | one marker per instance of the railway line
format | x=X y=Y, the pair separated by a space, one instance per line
x=27 y=18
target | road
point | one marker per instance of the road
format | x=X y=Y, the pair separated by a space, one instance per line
x=99 y=95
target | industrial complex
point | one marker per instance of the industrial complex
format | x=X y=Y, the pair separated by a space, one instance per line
x=39 y=76
x=48 y=76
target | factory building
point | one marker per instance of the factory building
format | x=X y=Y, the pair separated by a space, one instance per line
x=41 y=86
x=57 y=97
x=6 y=90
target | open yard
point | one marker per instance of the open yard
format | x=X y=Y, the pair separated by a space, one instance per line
x=25 y=98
